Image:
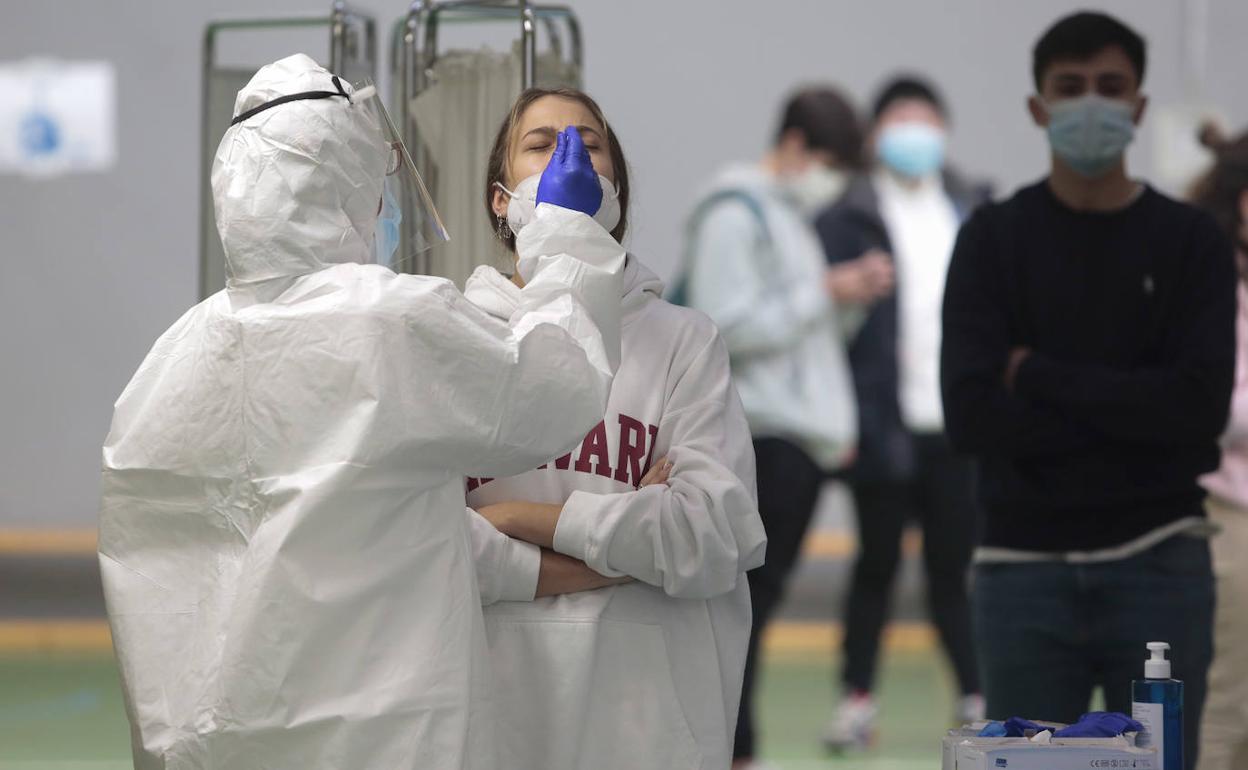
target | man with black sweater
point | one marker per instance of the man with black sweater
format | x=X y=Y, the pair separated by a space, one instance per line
x=1087 y=362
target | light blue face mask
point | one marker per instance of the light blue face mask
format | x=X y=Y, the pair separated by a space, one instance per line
x=1090 y=133
x=386 y=236
x=911 y=149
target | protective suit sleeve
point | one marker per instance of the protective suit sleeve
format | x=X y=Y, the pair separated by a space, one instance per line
x=507 y=569
x=697 y=535
x=728 y=281
x=981 y=416
x=508 y=397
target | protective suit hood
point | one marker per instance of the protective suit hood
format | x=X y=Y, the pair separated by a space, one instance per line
x=296 y=187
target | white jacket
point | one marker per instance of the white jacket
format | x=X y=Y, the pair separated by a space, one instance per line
x=645 y=675
x=286 y=562
x=764 y=289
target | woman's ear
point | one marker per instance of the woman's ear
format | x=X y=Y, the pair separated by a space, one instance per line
x=499 y=203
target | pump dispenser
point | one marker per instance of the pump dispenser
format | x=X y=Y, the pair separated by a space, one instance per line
x=1157 y=703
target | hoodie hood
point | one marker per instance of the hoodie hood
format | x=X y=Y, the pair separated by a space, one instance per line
x=296 y=187
x=747 y=177
x=494 y=292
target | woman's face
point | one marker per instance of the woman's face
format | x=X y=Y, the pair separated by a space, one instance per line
x=533 y=142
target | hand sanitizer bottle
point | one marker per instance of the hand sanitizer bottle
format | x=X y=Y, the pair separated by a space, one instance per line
x=1157 y=703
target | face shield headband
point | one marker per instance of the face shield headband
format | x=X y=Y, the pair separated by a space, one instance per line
x=294 y=98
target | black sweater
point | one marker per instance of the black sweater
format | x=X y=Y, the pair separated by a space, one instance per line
x=1131 y=319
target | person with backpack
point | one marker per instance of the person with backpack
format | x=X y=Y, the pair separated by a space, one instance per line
x=754 y=265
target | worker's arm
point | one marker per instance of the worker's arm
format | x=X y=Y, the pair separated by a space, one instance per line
x=487 y=398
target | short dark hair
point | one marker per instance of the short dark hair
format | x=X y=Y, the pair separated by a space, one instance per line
x=1081 y=36
x=827 y=121
x=907 y=87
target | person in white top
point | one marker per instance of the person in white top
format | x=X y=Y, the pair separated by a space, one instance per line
x=754 y=265
x=1223 y=192
x=614 y=575
x=284 y=554
x=909 y=206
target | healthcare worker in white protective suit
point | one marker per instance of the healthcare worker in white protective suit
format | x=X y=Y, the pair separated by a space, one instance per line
x=283 y=544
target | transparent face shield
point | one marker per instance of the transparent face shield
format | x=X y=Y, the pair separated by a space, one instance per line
x=397 y=242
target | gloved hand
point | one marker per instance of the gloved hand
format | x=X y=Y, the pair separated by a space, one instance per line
x=569 y=179
x=1017 y=727
x=1100 y=724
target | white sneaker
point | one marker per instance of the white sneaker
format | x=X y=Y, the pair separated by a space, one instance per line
x=852 y=725
x=969 y=709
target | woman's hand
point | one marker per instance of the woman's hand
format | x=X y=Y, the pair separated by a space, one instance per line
x=861 y=281
x=569 y=179
x=560 y=574
x=658 y=473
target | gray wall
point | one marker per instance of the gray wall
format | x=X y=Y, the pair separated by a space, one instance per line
x=94 y=267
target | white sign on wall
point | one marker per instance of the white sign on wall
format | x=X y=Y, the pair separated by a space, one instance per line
x=57 y=117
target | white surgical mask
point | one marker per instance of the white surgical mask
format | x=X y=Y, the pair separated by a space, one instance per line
x=816 y=188
x=523 y=203
x=1090 y=133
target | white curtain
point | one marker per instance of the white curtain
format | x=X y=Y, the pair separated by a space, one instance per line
x=456 y=119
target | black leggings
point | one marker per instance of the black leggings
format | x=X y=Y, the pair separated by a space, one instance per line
x=939 y=497
x=788 y=489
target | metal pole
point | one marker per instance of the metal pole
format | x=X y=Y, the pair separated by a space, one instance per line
x=205 y=154
x=528 y=51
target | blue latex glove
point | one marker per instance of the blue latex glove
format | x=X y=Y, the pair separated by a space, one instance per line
x=569 y=179
x=993 y=730
x=1017 y=727
x=1100 y=724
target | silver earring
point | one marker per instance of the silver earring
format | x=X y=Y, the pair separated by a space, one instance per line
x=502 y=230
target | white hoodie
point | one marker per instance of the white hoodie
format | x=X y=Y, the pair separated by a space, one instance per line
x=764 y=288
x=644 y=675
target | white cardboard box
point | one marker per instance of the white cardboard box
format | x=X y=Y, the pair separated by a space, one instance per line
x=974 y=753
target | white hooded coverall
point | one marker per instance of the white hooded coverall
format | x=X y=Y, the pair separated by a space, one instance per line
x=285 y=557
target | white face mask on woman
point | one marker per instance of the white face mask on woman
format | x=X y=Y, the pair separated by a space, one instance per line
x=523 y=203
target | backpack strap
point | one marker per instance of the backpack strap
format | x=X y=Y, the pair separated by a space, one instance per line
x=678 y=294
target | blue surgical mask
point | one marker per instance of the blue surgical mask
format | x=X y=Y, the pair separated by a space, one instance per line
x=386 y=236
x=913 y=149
x=1090 y=133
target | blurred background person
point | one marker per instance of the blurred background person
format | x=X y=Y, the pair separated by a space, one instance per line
x=1223 y=192
x=756 y=268
x=906 y=208
x=1087 y=365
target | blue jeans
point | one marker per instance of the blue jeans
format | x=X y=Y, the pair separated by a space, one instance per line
x=1049 y=632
